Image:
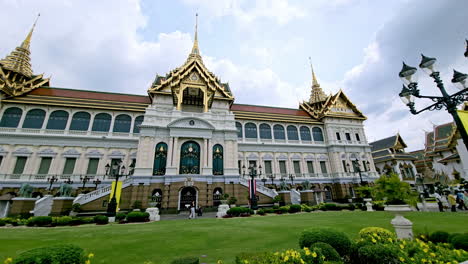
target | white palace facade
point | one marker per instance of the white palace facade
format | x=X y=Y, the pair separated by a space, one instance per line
x=185 y=141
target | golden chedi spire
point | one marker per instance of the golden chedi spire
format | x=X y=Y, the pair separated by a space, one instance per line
x=16 y=75
x=317 y=94
x=19 y=60
x=195 y=50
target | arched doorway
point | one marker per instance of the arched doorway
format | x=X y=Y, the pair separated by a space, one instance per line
x=328 y=194
x=186 y=196
x=190 y=158
x=217 y=196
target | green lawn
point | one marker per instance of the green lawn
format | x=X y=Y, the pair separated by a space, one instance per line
x=160 y=242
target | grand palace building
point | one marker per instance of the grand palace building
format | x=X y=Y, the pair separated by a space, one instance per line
x=185 y=141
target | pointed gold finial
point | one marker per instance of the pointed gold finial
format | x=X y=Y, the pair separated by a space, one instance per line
x=195 y=49
x=26 y=43
x=317 y=94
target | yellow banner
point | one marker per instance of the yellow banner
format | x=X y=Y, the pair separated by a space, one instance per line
x=464 y=118
x=119 y=192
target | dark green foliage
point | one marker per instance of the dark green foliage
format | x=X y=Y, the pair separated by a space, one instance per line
x=253 y=257
x=2 y=222
x=439 y=237
x=138 y=217
x=338 y=240
x=351 y=207
x=40 y=221
x=308 y=210
x=328 y=251
x=261 y=212
x=238 y=211
x=101 y=219
x=186 y=260
x=329 y=207
x=58 y=254
x=120 y=216
x=137 y=205
x=275 y=206
x=377 y=253
x=282 y=210
x=294 y=208
x=62 y=221
x=76 y=207
x=460 y=241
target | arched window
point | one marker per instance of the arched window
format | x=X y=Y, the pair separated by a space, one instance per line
x=160 y=158
x=190 y=158
x=217 y=196
x=136 y=125
x=11 y=117
x=34 y=118
x=156 y=197
x=102 y=122
x=328 y=193
x=292 y=133
x=317 y=133
x=80 y=121
x=57 y=120
x=239 y=129
x=122 y=123
x=305 y=134
x=278 y=131
x=250 y=130
x=218 y=166
x=265 y=131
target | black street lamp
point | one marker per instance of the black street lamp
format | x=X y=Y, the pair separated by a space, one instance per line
x=253 y=174
x=68 y=181
x=96 y=182
x=272 y=178
x=291 y=177
x=357 y=168
x=264 y=179
x=449 y=102
x=117 y=170
x=84 y=180
x=51 y=180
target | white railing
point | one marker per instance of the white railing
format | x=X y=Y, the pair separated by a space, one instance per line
x=295 y=196
x=68 y=132
x=260 y=188
x=96 y=194
x=76 y=178
x=43 y=206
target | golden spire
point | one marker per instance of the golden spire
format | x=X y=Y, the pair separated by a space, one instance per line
x=195 y=42
x=317 y=94
x=19 y=60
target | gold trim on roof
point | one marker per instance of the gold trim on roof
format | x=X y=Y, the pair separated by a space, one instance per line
x=316 y=95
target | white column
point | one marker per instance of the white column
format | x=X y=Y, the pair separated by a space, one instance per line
x=23 y=116
x=46 y=119
x=111 y=128
x=210 y=154
x=170 y=151
x=175 y=153
x=70 y=117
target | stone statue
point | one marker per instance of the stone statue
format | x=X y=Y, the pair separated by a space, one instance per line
x=65 y=190
x=306 y=185
x=26 y=190
x=283 y=186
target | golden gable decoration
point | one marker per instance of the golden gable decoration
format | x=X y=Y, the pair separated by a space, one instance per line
x=16 y=74
x=191 y=78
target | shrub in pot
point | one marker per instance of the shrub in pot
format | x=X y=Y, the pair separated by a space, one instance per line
x=232 y=200
x=120 y=216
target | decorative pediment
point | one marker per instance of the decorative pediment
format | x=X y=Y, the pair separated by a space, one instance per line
x=282 y=157
x=296 y=157
x=337 y=105
x=116 y=154
x=71 y=153
x=133 y=155
x=309 y=157
x=323 y=157
x=47 y=153
x=191 y=122
x=399 y=143
x=94 y=153
x=3 y=152
x=22 y=152
x=252 y=156
x=267 y=157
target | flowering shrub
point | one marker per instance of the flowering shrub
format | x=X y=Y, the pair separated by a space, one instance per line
x=376 y=235
x=328 y=251
x=338 y=240
x=290 y=256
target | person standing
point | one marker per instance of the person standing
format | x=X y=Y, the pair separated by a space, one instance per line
x=452 y=202
x=192 y=210
x=461 y=200
x=439 y=201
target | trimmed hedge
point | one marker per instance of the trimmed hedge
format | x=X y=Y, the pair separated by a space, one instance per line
x=101 y=219
x=58 y=254
x=239 y=211
x=294 y=208
x=137 y=216
x=377 y=253
x=328 y=251
x=2 y=222
x=186 y=260
x=40 y=221
x=439 y=237
x=460 y=241
x=338 y=240
x=120 y=216
x=62 y=221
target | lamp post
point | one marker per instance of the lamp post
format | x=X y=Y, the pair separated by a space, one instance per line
x=117 y=170
x=253 y=174
x=51 y=180
x=84 y=180
x=264 y=179
x=272 y=178
x=291 y=177
x=68 y=181
x=96 y=182
x=357 y=168
x=449 y=102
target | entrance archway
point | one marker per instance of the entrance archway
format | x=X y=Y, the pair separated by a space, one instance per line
x=186 y=196
x=190 y=158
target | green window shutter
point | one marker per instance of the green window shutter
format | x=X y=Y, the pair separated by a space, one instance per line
x=34 y=119
x=218 y=166
x=297 y=167
x=160 y=159
x=69 y=166
x=282 y=165
x=19 y=166
x=92 y=166
x=45 y=165
x=323 y=166
x=310 y=166
x=268 y=169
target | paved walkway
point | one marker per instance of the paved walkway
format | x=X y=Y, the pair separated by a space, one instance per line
x=185 y=215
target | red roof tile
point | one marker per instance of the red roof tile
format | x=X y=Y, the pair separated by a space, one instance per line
x=268 y=109
x=91 y=95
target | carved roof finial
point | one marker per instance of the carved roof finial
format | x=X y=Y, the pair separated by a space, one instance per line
x=317 y=94
x=195 y=50
x=27 y=42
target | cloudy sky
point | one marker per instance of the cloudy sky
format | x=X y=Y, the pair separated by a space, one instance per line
x=260 y=47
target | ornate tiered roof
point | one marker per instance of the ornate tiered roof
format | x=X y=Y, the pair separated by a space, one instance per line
x=391 y=148
x=16 y=74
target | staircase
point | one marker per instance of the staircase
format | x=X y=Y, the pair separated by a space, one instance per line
x=43 y=206
x=260 y=188
x=101 y=192
x=295 y=196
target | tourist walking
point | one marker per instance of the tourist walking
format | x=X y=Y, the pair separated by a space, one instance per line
x=439 y=201
x=452 y=199
x=461 y=200
x=192 y=210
